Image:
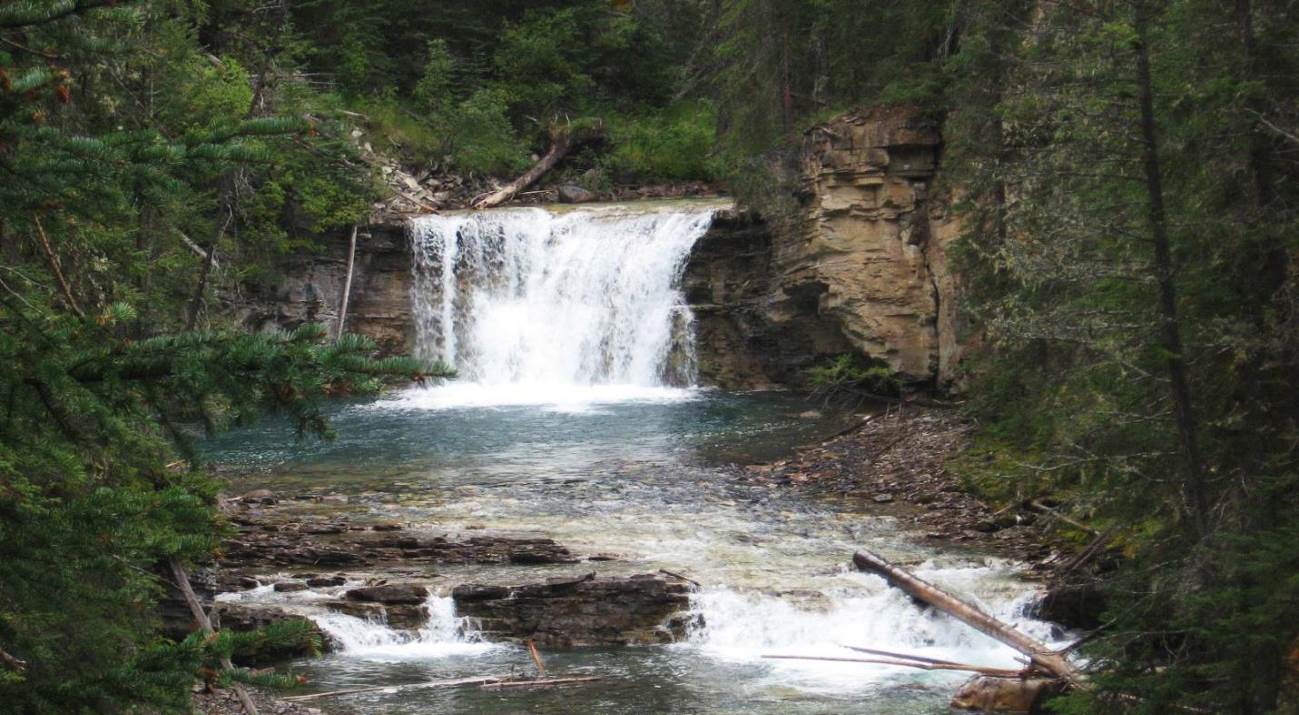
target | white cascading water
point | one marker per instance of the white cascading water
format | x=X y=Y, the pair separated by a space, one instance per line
x=440 y=637
x=533 y=306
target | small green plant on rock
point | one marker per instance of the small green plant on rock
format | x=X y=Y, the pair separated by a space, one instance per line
x=853 y=376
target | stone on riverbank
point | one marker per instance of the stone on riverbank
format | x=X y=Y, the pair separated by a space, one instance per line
x=587 y=611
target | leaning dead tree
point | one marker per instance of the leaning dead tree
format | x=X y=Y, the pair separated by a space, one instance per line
x=563 y=138
x=1039 y=654
x=205 y=623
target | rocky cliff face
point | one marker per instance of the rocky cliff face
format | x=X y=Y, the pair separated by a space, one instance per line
x=312 y=289
x=865 y=268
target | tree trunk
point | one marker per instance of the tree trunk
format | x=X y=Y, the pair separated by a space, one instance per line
x=55 y=268
x=1038 y=652
x=197 y=301
x=200 y=617
x=1170 y=330
x=563 y=142
x=347 y=285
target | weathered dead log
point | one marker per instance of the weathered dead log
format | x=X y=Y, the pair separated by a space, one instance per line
x=205 y=623
x=18 y=665
x=1038 y=652
x=539 y=683
x=347 y=285
x=982 y=670
x=900 y=656
x=458 y=682
x=536 y=658
x=562 y=139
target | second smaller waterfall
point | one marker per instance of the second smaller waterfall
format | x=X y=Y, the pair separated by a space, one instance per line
x=538 y=300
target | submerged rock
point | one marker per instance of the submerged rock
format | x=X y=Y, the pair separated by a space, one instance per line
x=587 y=611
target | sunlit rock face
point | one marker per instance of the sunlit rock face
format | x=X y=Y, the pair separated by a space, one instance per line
x=864 y=266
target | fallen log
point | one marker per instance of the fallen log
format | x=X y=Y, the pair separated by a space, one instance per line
x=1038 y=653
x=901 y=656
x=539 y=683
x=982 y=670
x=562 y=139
x=536 y=658
x=458 y=682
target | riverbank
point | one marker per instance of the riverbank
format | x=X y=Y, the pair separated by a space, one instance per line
x=897 y=462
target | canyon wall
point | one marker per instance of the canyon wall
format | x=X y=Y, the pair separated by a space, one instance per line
x=864 y=267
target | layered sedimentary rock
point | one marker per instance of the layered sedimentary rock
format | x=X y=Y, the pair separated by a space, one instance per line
x=311 y=289
x=587 y=611
x=862 y=267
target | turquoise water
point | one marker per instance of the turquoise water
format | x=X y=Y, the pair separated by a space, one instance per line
x=642 y=475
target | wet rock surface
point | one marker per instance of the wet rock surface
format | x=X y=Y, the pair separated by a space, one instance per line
x=272 y=536
x=588 y=611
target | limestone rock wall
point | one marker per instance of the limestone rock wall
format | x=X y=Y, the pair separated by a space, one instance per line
x=865 y=269
x=311 y=289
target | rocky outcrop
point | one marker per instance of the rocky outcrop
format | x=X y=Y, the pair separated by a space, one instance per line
x=587 y=611
x=864 y=266
x=310 y=289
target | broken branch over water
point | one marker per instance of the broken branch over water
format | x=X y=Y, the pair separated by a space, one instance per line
x=1038 y=652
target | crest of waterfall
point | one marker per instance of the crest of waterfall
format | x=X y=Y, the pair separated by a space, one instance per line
x=530 y=297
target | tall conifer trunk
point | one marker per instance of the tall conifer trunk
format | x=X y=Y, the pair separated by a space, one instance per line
x=1170 y=336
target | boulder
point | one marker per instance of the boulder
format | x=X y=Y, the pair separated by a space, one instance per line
x=587 y=611
x=1004 y=695
x=1072 y=605
x=326 y=581
x=390 y=593
x=289 y=586
x=573 y=194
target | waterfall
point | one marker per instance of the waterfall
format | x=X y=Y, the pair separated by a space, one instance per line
x=534 y=300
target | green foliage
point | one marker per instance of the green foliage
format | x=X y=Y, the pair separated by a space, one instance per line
x=1073 y=395
x=854 y=375
x=481 y=137
x=674 y=145
x=130 y=142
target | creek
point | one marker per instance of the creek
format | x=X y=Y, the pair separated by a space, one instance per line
x=576 y=417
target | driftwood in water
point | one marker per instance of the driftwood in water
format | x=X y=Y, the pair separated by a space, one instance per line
x=540 y=682
x=481 y=681
x=563 y=139
x=536 y=658
x=1038 y=652
x=921 y=665
x=205 y=623
x=458 y=682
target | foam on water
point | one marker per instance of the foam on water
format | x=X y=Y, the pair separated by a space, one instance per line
x=441 y=637
x=559 y=398
x=744 y=625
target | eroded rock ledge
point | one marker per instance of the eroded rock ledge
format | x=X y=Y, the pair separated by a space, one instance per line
x=587 y=611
